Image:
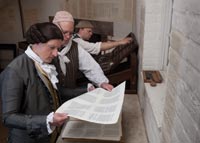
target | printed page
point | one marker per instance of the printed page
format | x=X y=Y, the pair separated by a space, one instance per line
x=98 y=106
x=77 y=129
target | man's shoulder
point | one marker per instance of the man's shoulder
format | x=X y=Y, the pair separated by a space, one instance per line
x=21 y=62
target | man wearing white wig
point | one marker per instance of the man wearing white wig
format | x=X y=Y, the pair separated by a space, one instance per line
x=72 y=58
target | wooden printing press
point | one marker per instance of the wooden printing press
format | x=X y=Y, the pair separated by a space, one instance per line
x=121 y=65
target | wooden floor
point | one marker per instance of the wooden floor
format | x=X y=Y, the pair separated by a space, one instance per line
x=133 y=124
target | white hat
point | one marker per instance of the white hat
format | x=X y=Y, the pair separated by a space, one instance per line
x=63 y=16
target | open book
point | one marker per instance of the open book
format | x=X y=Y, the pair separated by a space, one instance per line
x=98 y=106
x=78 y=131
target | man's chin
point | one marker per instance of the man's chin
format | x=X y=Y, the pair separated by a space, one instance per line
x=49 y=60
x=65 y=43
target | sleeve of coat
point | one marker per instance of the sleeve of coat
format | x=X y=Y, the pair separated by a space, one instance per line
x=12 y=91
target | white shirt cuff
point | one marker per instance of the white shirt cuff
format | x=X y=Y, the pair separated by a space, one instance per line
x=49 y=120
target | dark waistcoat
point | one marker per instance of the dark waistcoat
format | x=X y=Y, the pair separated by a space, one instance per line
x=69 y=80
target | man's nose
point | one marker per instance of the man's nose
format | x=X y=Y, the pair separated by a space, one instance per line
x=55 y=52
x=67 y=36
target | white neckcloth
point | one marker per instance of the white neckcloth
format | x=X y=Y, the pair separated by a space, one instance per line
x=48 y=68
x=63 y=58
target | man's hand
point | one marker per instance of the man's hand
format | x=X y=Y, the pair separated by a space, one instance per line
x=126 y=40
x=106 y=86
x=59 y=119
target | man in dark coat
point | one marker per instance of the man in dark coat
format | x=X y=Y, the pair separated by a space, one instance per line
x=28 y=89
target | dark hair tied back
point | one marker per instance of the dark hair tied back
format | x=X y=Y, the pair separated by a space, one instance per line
x=42 y=33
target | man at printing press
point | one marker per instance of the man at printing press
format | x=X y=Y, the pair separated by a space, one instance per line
x=85 y=31
x=72 y=58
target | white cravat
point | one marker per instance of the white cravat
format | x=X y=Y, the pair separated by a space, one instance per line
x=63 y=58
x=48 y=68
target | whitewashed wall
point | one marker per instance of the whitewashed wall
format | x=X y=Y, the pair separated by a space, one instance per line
x=149 y=35
x=181 y=115
x=181 y=122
